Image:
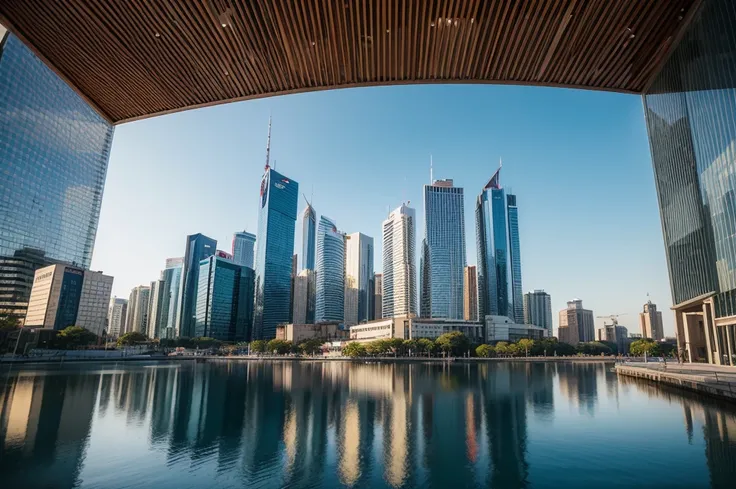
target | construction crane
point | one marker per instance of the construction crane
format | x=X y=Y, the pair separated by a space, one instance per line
x=613 y=318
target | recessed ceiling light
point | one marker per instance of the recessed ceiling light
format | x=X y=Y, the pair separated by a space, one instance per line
x=157 y=35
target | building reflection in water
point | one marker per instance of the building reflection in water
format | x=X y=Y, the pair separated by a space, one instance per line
x=318 y=424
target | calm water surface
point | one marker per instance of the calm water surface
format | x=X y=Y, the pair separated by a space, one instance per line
x=268 y=425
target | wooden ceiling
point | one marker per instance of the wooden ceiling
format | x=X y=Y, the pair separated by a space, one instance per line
x=138 y=58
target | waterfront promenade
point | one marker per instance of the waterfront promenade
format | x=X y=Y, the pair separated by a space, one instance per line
x=713 y=380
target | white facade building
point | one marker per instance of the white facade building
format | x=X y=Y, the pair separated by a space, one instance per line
x=116 y=316
x=399 y=263
x=138 y=310
x=94 y=302
x=503 y=328
x=407 y=328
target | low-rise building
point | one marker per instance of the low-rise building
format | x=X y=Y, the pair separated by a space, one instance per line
x=414 y=328
x=296 y=333
x=503 y=328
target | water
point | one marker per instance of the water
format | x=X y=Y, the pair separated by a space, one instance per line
x=327 y=424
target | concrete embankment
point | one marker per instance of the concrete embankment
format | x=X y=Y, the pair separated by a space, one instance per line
x=718 y=383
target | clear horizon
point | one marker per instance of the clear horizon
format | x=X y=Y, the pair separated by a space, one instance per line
x=578 y=162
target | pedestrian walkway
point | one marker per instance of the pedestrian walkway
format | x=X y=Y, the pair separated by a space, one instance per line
x=713 y=380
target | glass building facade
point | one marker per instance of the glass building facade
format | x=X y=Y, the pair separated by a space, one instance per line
x=274 y=250
x=224 y=300
x=492 y=248
x=516 y=311
x=172 y=279
x=309 y=237
x=358 y=278
x=198 y=247
x=330 y=272
x=691 y=118
x=244 y=244
x=443 y=251
x=54 y=151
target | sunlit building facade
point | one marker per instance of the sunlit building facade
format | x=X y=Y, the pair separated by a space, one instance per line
x=358 y=278
x=243 y=252
x=197 y=248
x=516 y=309
x=399 y=263
x=538 y=309
x=493 y=250
x=330 y=271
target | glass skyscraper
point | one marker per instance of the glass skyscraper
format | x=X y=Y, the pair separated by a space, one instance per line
x=54 y=150
x=517 y=302
x=309 y=235
x=224 y=300
x=330 y=272
x=443 y=251
x=171 y=278
x=198 y=247
x=492 y=248
x=358 y=278
x=244 y=248
x=274 y=250
x=690 y=111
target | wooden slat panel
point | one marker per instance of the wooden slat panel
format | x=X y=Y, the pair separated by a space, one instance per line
x=137 y=58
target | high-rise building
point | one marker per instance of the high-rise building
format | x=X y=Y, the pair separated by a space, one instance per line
x=155 y=309
x=470 y=294
x=377 y=296
x=576 y=323
x=274 y=251
x=224 y=300
x=516 y=311
x=301 y=296
x=67 y=296
x=175 y=262
x=358 y=278
x=171 y=277
x=54 y=150
x=197 y=248
x=244 y=244
x=538 y=309
x=137 y=320
x=443 y=251
x=493 y=251
x=399 y=263
x=330 y=271
x=650 y=321
x=309 y=237
x=116 y=316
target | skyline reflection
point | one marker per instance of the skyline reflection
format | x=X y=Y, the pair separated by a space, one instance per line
x=341 y=424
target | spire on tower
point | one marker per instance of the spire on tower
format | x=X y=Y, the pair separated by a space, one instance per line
x=268 y=144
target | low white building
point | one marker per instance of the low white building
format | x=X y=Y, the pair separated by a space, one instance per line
x=414 y=328
x=503 y=328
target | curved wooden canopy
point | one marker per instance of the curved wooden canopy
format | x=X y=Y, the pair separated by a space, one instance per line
x=133 y=59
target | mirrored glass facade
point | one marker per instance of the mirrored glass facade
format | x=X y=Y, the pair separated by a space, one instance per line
x=691 y=119
x=330 y=272
x=244 y=245
x=274 y=250
x=54 y=151
x=198 y=247
x=443 y=251
x=516 y=311
x=309 y=236
x=358 y=278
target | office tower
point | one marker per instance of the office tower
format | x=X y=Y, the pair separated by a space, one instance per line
x=650 y=321
x=54 y=150
x=470 y=294
x=443 y=251
x=309 y=237
x=303 y=282
x=116 y=316
x=175 y=262
x=138 y=309
x=576 y=324
x=155 y=309
x=197 y=248
x=538 y=309
x=399 y=263
x=492 y=247
x=171 y=277
x=294 y=261
x=224 y=300
x=67 y=296
x=330 y=271
x=358 y=278
x=516 y=311
x=244 y=244
x=274 y=249
x=377 y=284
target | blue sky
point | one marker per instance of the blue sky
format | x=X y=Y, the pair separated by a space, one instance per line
x=578 y=161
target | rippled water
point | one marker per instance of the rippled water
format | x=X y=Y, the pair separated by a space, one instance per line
x=330 y=424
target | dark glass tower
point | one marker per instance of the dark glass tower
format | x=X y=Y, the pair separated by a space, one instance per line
x=330 y=272
x=198 y=247
x=54 y=150
x=274 y=251
x=309 y=236
x=517 y=302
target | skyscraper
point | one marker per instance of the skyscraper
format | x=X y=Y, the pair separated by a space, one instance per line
x=377 y=296
x=330 y=272
x=54 y=150
x=470 y=294
x=492 y=247
x=309 y=236
x=274 y=249
x=538 y=309
x=116 y=316
x=198 y=247
x=244 y=248
x=443 y=251
x=517 y=309
x=300 y=293
x=224 y=300
x=171 y=277
x=358 y=278
x=399 y=263
x=138 y=309
x=650 y=321
x=155 y=309
x=576 y=324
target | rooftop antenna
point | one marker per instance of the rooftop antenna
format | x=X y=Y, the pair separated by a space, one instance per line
x=431 y=174
x=311 y=197
x=268 y=143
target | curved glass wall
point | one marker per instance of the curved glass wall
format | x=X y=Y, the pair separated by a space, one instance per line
x=330 y=272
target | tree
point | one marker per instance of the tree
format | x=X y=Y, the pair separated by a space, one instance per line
x=132 y=338
x=378 y=347
x=396 y=345
x=526 y=344
x=425 y=345
x=8 y=322
x=514 y=349
x=279 y=347
x=74 y=337
x=258 y=346
x=205 y=342
x=310 y=347
x=485 y=351
x=354 y=349
x=454 y=343
x=639 y=347
x=502 y=349
x=410 y=346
